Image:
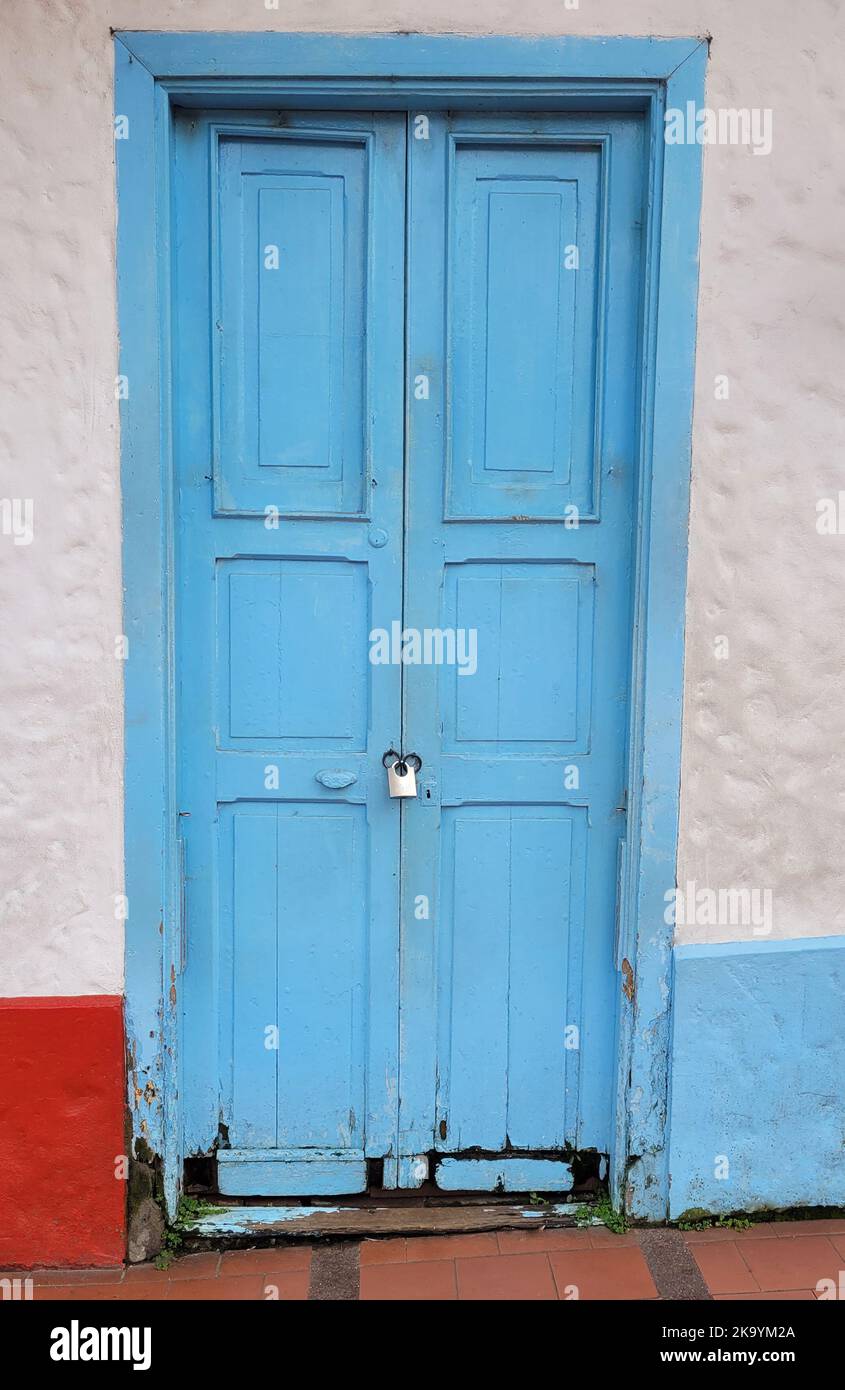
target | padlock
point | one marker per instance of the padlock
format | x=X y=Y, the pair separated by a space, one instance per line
x=399 y=782
x=402 y=773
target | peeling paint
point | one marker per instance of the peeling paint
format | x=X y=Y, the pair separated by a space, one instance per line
x=253 y=1221
x=628 y=988
x=248 y=1220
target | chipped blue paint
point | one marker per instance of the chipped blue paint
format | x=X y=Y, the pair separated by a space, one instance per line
x=758 y=1056
x=244 y=1221
x=150 y=841
x=257 y=1220
x=504 y=1175
x=280 y=70
x=554 y=1209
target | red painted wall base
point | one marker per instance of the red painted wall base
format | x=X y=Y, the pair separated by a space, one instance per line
x=62 y=1096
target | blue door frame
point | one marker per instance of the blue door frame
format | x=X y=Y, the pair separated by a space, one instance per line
x=154 y=73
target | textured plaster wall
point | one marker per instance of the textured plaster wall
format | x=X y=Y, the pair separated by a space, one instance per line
x=764 y=730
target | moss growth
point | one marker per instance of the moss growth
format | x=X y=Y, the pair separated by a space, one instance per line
x=697 y=1219
x=190 y=1210
x=602 y=1212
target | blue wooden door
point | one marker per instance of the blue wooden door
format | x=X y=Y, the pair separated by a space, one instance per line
x=405 y=395
x=524 y=275
x=289 y=441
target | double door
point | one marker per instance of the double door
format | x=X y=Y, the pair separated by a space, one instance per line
x=406 y=415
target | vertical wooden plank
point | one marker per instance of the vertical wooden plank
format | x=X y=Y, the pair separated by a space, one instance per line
x=322 y=932
x=541 y=856
x=478 y=924
x=253 y=1001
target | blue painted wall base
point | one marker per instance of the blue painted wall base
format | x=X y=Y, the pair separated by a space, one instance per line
x=757 y=1076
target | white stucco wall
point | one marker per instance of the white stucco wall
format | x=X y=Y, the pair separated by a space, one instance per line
x=763 y=800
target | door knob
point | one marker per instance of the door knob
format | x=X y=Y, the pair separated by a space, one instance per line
x=335 y=778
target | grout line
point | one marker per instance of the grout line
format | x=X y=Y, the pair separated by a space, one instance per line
x=738 y=1248
x=672 y=1265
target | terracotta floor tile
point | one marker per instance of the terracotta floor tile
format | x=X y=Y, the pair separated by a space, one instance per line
x=450 y=1247
x=724 y=1269
x=283 y=1257
x=790 y=1295
x=760 y=1230
x=245 y=1287
x=145 y=1274
x=512 y=1277
x=763 y=1230
x=838 y=1243
x=531 y=1242
x=602 y=1274
x=77 y=1276
x=820 y=1226
x=140 y=1293
x=600 y=1237
x=424 y=1279
x=76 y=1293
x=791 y=1264
x=203 y=1266
x=286 y=1285
x=383 y=1252
x=126 y=1293
x=710 y=1236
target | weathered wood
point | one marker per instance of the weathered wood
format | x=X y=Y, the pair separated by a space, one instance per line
x=254 y=1225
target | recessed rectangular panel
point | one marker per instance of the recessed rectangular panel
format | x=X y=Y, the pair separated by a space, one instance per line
x=528 y=310
x=503 y=1175
x=475 y=906
x=523 y=296
x=291 y=324
x=512 y=913
x=531 y=628
x=300 y=318
x=323 y=928
x=293 y=972
x=290 y=1172
x=283 y=625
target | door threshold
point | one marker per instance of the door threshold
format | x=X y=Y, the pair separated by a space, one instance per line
x=250 y=1225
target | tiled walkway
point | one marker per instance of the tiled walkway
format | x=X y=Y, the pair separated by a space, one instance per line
x=783 y=1260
